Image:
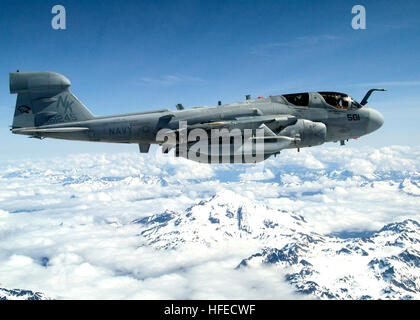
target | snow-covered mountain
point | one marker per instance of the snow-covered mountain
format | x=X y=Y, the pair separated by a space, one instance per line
x=19 y=294
x=66 y=226
x=410 y=187
x=383 y=265
x=223 y=217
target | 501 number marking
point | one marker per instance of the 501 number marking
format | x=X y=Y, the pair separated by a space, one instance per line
x=353 y=117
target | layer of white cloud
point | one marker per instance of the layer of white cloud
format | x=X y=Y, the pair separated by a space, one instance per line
x=65 y=223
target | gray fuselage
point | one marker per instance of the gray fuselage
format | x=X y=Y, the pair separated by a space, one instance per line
x=46 y=108
x=141 y=128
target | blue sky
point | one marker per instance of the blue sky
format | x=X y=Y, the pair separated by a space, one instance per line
x=137 y=55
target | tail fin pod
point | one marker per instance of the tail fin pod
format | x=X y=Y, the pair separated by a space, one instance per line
x=44 y=98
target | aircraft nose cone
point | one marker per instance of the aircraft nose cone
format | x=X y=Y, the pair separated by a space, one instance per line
x=376 y=120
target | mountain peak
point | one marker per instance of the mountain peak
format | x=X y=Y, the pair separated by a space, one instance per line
x=19 y=294
x=221 y=217
x=408 y=225
x=388 y=262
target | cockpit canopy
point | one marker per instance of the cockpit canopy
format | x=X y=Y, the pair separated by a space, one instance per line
x=298 y=99
x=340 y=100
x=336 y=100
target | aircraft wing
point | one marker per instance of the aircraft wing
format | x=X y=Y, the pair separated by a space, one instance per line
x=273 y=142
x=246 y=122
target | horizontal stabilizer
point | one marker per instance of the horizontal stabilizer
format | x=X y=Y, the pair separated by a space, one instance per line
x=49 y=130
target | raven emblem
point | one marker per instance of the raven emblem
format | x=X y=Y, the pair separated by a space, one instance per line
x=23 y=109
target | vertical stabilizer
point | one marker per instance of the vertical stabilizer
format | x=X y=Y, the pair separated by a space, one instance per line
x=44 y=98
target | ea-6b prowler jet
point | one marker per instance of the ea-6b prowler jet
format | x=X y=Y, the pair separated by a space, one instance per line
x=246 y=132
